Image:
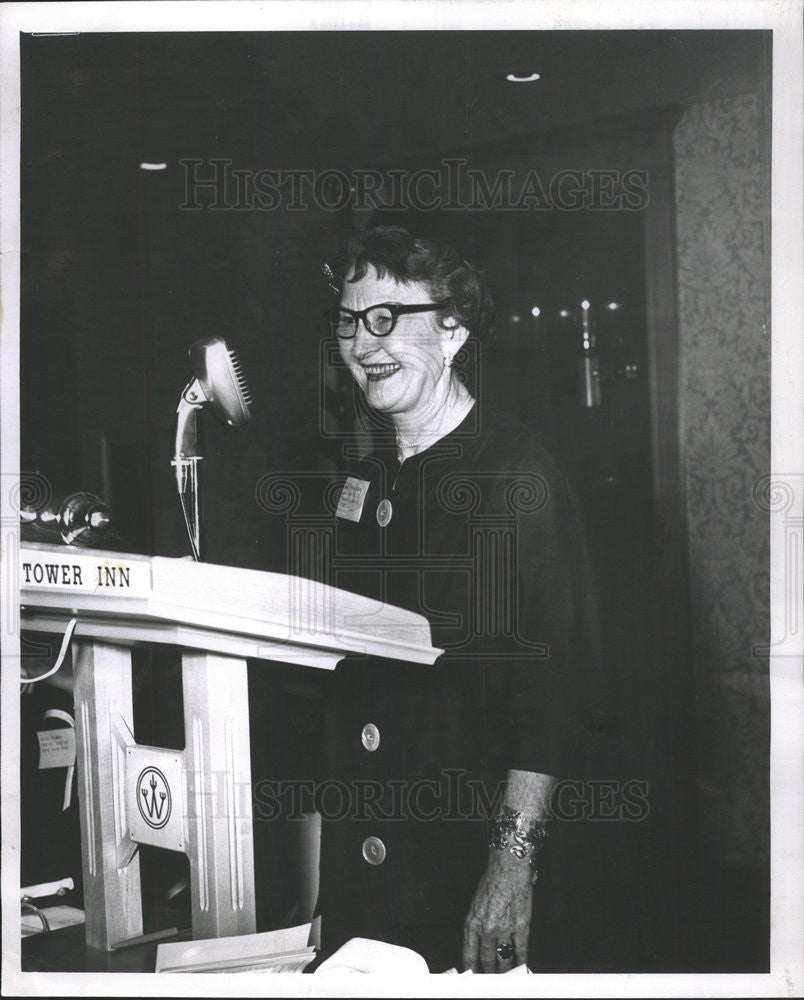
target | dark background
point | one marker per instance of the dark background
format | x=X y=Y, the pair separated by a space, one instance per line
x=118 y=280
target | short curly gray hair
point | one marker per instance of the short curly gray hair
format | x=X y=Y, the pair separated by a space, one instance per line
x=392 y=251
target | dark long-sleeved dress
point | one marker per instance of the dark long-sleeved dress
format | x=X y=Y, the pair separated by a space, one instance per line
x=484 y=540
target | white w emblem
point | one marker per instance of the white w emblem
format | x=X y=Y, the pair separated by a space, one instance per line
x=153 y=797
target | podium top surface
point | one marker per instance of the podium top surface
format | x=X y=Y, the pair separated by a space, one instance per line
x=128 y=598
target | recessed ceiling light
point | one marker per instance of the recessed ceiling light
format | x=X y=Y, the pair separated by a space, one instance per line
x=585 y=304
x=522 y=76
x=536 y=312
x=153 y=166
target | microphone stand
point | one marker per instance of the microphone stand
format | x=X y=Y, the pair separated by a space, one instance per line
x=186 y=463
x=218 y=384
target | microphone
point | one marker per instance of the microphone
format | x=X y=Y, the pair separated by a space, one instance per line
x=220 y=386
x=219 y=381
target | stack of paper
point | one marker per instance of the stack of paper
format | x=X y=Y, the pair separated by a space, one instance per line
x=365 y=955
x=57 y=917
x=272 y=951
x=520 y=970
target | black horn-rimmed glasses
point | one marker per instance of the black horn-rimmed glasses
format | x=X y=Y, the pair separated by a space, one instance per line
x=379 y=320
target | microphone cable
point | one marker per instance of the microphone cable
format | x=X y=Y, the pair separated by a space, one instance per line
x=65 y=645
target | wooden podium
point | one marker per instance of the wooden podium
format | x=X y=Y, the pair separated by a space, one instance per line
x=197 y=800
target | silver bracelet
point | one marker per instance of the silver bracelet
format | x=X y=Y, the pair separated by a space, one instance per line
x=522 y=838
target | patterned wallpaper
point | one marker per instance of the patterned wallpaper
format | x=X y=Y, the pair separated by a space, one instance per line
x=721 y=201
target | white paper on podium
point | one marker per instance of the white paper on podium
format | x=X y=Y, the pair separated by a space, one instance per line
x=365 y=955
x=57 y=917
x=271 y=951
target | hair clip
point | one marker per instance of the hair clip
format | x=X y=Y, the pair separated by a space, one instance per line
x=330 y=276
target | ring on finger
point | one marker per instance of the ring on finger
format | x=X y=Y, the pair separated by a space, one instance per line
x=505 y=951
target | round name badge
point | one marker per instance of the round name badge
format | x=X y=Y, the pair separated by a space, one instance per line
x=384 y=512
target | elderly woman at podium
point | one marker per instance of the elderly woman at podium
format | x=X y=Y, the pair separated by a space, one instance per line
x=461 y=515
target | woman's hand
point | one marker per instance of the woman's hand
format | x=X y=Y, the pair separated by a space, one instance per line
x=499 y=914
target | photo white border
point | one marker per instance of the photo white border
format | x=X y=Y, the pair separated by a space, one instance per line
x=784 y=17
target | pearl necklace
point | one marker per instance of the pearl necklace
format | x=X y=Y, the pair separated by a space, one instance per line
x=385 y=509
x=466 y=406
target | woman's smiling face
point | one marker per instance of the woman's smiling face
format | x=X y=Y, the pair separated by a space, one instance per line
x=398 y=373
